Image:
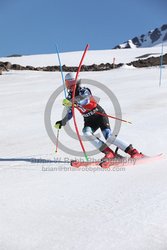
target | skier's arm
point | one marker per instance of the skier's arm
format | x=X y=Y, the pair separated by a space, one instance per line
x=63 y=122
x=82 y=99
x=67 y=117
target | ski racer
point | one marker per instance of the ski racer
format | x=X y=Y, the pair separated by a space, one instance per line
x=87 y=105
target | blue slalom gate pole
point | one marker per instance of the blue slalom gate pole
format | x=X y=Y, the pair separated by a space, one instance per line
x=161 y=65
x=61 y=70
x=64 y=87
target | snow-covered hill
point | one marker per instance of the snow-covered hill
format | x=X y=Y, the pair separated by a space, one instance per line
x=93 y=56
x=152 y=38
x=48 y=205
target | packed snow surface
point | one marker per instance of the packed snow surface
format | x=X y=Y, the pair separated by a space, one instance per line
x=48 y=205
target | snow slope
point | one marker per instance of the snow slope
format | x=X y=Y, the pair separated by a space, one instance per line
x=48 y=205
x=93 y=56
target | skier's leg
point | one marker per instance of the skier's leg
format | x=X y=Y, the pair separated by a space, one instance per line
x=114 y=140
x=106 y=131
x=88 y=133
x=124 y=146
x=99 y=144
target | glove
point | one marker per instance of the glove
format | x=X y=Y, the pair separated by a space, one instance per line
x=58 y=124
x=67 y=103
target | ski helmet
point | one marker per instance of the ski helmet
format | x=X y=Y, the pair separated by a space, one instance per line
x=69 y=80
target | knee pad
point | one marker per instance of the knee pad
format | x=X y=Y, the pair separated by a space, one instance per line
x=106 y=133
x=87 y=131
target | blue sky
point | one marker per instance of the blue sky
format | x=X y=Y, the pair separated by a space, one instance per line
x=35 y=26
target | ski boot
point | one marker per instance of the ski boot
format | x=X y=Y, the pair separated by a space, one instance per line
x=109 y=156
x=133 y=152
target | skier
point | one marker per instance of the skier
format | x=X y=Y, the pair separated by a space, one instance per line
x=87 y=105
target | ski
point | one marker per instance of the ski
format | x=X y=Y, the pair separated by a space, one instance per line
x=117 y=162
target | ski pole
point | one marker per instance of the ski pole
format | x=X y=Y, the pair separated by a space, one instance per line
x=57 y=141
x=68 y=104
x=110 y=116
x=61 y=70
x=113 y=117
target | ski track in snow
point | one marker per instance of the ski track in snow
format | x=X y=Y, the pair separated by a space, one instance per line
x=47 y=205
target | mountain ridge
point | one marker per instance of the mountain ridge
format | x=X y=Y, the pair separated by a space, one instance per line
x=151 y=39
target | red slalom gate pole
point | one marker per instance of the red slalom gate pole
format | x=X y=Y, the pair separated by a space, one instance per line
x=73 y=99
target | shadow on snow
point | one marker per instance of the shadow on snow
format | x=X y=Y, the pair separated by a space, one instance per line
x=32 y=160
